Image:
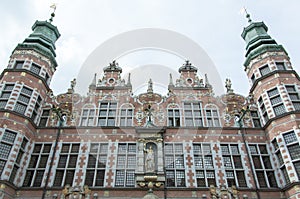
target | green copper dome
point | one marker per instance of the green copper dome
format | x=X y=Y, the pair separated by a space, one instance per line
x=258 y=41
x=42 y=39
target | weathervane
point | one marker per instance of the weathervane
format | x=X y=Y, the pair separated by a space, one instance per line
x=53 y=6
x=244 y=10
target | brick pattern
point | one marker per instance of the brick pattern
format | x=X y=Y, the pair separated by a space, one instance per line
x=111 y=164
x=190 y=169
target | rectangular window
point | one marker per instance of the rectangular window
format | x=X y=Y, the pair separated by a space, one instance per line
x=35 y=68
x=255 y=119
x=6 y=94
x=192 y=114
x=126 y=117
x=212 y=118
x=276 y=102
x=107 y=114
x=66 y=164
x=37 y=165
x=6 y=144
x=44 y=118
x=23 y=100
x=262 y=164
x=205 y=173
x=175 y=166
x=294 y=96
x=87 y=117
x=19 y=64
x=36 y=108
x=264 y=70
x=297 y=168
x=290 y=137
x=126 y=164
x=280 y=65
x=174 y=117
x=233 y=165
x=294 y=151
x=263 y=109
x=96 y=164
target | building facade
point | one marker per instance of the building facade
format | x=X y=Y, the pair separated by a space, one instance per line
x=113 y=144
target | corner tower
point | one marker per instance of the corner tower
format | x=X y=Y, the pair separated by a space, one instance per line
x=24 y=87
x=275 y=87
x=24 y=84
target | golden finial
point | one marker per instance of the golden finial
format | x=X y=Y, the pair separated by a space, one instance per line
x=53 y=6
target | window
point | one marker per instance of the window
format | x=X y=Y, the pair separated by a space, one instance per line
x=35 y=68
x=297 y=168
x=19 y=64
x=126 y=164
x=280 y=66
x=107 y=114
x=126 y=116
x=276 y=102
x=212 y=117
x=263 y=109
x=264 y=70
x=280 y=161
x=192 y=114
x=255 y=119
x=6 y=94
x=87 y=117
x=233 y=165
x=47 y=77
x=18 y=160
x=174 y=117
x=253 y=78
x=36 y=108
x=37 y=165
x=44 y=118
x=294 y=96
x=67 y=162
x=95 y=171
x=203 y=161
x=175 y=166
x=23 y=100
x=292 y=144
x=262 y=165
x=6 y=144
x=285 y=174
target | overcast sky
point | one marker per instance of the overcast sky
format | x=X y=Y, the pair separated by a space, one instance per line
x=216 y=26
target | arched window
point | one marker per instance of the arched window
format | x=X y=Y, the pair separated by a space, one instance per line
x=173 y=115
x=126 y=115
x=212 y=116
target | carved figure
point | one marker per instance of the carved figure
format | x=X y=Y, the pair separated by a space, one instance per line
x=149 y=162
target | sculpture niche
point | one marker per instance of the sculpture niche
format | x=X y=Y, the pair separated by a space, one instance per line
x=150 y=154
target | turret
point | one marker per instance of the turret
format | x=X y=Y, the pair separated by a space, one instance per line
x=275 y=87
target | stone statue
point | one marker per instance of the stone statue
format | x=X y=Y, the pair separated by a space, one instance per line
x=228 y=85
x=73 y=83
x=149 y=161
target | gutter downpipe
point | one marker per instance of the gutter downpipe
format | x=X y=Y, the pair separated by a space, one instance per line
x=60 y=124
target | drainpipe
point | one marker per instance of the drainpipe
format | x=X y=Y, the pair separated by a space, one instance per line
x=242 y=130
x=58 y=113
